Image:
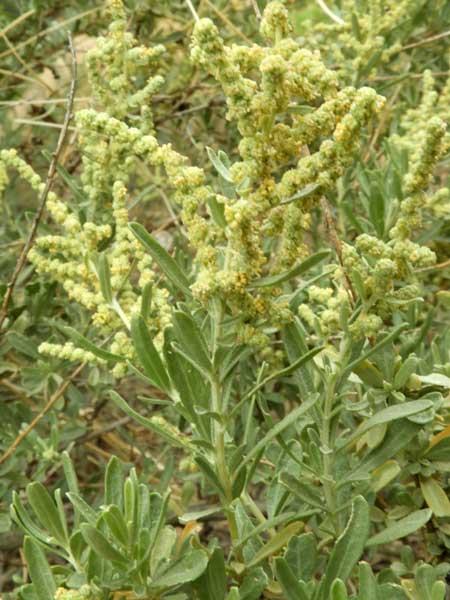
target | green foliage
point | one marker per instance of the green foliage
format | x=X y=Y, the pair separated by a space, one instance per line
x=123 y=544
x=275 y=358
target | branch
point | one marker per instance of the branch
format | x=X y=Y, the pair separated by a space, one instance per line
x=50 y=177
x=23 y=434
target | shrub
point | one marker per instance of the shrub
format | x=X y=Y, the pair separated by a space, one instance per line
x=289 y=334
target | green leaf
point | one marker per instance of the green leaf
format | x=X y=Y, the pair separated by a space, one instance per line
x=82 y=507
x=440 y=451
x=114 y=482
x=278 y=541
x=391 y=413
x=338 y=590
x=210 y=474
x=69 y=473
x=191 y=340
x=167 y=432
x=101 y=545
x=86 y=344
x=148 y=355
x=438 y=590
x=43 y=583
x=306 y=191
x=407 y=368
x=367 y=583
x=47 y=512
x=146 y=299
x=298 y=364
x=398 y=436
x=276 y=280
x=288 y=580
x=219 y=165
x=436 y=379
x=162 y=257
x=401 y=528
x=104 y=277
x=348 y=548
x=185 y=569
x=301 y=555
x=253 y=584
x=376 y=200
x=212 y=585
x=435 y=496
x=116 y=524
x=267 y=524
x=288 y=420
x=20 y=516
x=305 y=492
x=196 y=515
x=374 y=349
x=384 y=475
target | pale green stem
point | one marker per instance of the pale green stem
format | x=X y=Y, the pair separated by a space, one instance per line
x=218 y=428
x=119 y=311
x=192 y=9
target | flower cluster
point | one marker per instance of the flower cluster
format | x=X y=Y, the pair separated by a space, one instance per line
x=381 y=272
x=278 y=179
x=289 y=155
x=366 y=34
x=124 y=77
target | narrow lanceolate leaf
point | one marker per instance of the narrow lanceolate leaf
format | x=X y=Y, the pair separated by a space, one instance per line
x=46 y=511
x=114 y=482
x=398 y=436
x=104 y=278
x=148 y=355
x=391 y=413
x=86 y=344
x=348 y=548
x=288 y=420
x=219 y=165
x=305 y=492
x=169 y=433
x=374 y=349
x=167 y=264
x=191 y=340
x=435 y=496
x=101 y=545
x=288 y=580
x=40 y=574
x=278 y=541
x=306 y=191
x=401 y=528
x=299 y=269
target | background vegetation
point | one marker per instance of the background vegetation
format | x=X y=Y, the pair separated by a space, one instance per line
x=398 y=464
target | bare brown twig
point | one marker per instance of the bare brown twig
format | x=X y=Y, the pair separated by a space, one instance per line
x=50 y=177
x=23 y=434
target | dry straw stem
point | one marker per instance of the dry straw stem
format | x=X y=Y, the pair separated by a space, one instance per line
x=330 y=13
x=254 y=3
x=429 y=40
x=43 y=33
x=53 y=399
x=17 y=21
x=50 y=176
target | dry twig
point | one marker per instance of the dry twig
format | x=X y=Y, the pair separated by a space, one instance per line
x=54 y=398
x=50 y=177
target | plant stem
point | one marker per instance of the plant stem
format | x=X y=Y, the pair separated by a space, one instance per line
x=219 y=428
x=325 y=438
